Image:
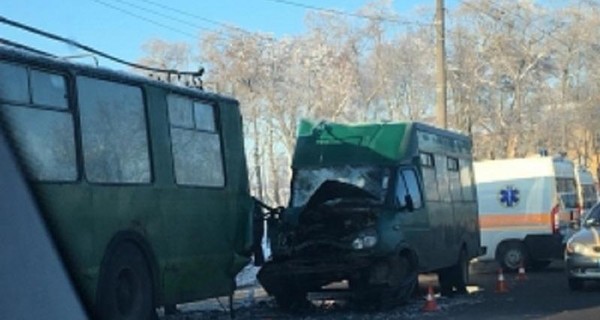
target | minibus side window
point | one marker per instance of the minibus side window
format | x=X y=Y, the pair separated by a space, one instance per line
x=408 y=185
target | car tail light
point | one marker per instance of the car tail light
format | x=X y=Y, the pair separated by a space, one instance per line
x=554 y=219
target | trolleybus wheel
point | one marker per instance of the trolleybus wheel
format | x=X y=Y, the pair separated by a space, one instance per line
x=125 y=288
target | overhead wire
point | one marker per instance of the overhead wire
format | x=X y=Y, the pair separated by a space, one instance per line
x=188 y=34
x=195 y=16
x=176 y=19
x=225 y=25
x=505 y=11
x=349 y=14
x=191 y=15
x=95 y=51
x=160 y=14
x=13 y=44
x=561 y=41
x=129 y=13
x=480 y=10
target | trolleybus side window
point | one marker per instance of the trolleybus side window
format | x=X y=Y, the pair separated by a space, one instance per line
x=113 y=132
x=196 y=144
x=48 y=90
x=14 y=85
x=42 y=128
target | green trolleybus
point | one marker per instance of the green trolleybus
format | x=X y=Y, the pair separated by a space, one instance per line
x=143 y=183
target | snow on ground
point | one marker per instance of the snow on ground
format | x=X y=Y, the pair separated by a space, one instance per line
x=247 y=277
x=253 y=303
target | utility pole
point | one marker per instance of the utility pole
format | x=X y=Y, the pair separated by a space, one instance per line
x=440 y=56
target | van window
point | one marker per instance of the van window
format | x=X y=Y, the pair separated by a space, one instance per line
x=565 y=184
x=566 y=190
x=466 y=180
x=427 y=160
x=452 y=164
x=372 y=179
x=429 y=179
x=408 y=185
x=589 y=196
x=454 y=179
x=441 y=173
x=593 y=216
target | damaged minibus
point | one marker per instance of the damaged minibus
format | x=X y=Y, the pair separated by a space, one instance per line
x=374 y=205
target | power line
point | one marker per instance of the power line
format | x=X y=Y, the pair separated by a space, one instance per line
x=94 y=51
x=160 y=5
x=160 y=14
x=145 y=19
x=478 y=9
x=191 y=15
x=561 y=41
x=349 y=14
x=13 y=44
x=172 y=18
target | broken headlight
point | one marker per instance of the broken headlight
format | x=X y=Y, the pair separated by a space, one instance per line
x=365 y=240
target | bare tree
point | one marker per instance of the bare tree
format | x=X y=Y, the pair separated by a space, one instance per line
x=522 y=76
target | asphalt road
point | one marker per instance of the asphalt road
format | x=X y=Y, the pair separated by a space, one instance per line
x=544 y=295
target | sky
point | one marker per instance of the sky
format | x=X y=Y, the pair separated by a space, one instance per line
x=121 y=27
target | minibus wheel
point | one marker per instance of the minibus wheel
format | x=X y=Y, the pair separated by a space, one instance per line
x=455 y=277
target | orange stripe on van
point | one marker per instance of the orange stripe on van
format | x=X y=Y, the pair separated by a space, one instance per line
x=511 y=220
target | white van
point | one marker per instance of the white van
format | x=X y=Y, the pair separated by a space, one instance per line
x=525 y=206
x=586 y=190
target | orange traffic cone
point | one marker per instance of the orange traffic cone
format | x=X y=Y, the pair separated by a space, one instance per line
x=430 y=304
x=501 y=284
x=521 y=275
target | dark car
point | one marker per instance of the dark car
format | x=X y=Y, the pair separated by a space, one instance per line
x=582 y=253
